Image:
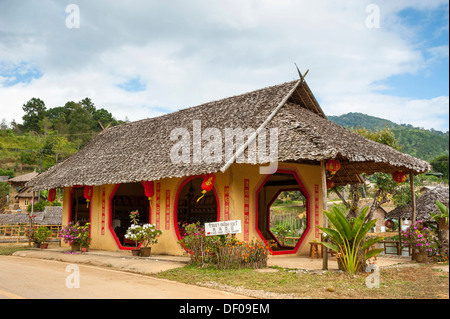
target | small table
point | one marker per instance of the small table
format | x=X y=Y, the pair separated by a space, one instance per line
x=314 y=249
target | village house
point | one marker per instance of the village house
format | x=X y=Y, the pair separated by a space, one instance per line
x=164 y=151
x=21 y=196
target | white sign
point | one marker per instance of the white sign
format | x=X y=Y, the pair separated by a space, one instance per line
x=223 y=228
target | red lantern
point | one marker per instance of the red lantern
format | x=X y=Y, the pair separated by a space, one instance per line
x=88 y=191
x=51 y=197
x=208 y=183
x=399 y=176
x=330 y=184
x=333 y=166
x=389 y=223
x=149 y=189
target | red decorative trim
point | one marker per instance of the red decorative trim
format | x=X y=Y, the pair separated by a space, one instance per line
x=246 y=209
x=316 y=210
x=175 y=203
x=103 y=221
x=167 y=215
x=158 y=206
x=226 y=203
x=308 y=217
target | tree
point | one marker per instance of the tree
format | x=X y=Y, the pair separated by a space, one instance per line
x=80 y=123
x=386 y=187
x=440 y=165
x=35 y=112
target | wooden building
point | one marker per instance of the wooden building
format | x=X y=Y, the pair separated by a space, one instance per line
x=120 y=159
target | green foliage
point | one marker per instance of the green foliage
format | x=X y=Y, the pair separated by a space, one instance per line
x=440 y=165
x=348 y=238
x=49 y=136
x=40 y=206
x=4 y=191
x=443 y=212
x=34 y=114
x=222 y=252
x=418 y=142
x=42 y=234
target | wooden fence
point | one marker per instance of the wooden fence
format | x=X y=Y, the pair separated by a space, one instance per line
x=9 y=233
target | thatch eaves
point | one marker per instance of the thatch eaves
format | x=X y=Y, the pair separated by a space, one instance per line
x=140 y=150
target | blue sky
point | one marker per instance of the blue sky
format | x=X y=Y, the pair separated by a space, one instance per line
x=141 y=59
x=431 y=31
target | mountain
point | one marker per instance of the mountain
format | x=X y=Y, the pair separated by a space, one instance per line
x=418 y=142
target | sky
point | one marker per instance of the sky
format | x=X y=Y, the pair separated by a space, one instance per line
x=140 y=59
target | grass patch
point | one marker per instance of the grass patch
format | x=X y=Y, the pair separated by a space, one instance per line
x=8 y=250
x=421 y=282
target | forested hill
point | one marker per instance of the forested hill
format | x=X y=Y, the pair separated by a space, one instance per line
x=418 y=142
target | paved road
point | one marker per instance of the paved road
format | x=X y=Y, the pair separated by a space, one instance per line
x=37 y=279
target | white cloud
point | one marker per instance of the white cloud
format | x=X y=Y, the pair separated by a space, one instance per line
x=187 y=53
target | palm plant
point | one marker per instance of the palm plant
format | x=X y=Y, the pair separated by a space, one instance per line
x=443 y=212
x=348 y=239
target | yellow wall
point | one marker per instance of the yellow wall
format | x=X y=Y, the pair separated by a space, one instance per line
x=234 y=178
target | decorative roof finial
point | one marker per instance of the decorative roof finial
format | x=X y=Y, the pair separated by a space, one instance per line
x=302 y=77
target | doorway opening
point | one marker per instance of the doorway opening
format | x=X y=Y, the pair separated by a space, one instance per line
x=283 y=213
x=79 y=210
x=124 y=199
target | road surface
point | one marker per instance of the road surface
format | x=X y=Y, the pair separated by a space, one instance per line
x=32 y=278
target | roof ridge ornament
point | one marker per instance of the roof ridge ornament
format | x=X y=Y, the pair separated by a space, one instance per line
x=302 y=77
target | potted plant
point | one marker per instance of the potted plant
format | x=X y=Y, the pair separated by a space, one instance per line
x=348 y=239
x=441 y=218
x=41 y=235
x=134 y=233
x=71 y=234
x=420 y=237
x=29 y=233
x=149 y=236
x=85 y=239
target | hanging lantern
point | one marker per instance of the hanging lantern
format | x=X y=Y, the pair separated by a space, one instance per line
x=207 y=185
x=88 y=191
x=51 y=197
x=389 y=223
x=149 y=190
x=330 y=184
x=399 y=176
x=333 y=166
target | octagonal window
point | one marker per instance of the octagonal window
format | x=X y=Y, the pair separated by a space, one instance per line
x=283 y=212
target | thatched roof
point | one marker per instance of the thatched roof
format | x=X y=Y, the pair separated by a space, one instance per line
x=425 y=205
x=23 y=178
x=50 y=216
x=140 y=150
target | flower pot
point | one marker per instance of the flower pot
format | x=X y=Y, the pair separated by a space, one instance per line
x=75 y=246
x=135 y=252
x=421 y=257
x=44 y=246
x=442 y=225
x=146 y=251
x=84 y=249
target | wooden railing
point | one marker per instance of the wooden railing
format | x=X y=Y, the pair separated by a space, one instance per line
x=17 y=232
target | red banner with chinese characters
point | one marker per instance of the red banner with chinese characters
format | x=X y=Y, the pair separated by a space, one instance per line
x=226 y=203
x=103 y=211
x=158 y=206
x=167 y=219
x=246 y=209
x=316 y=210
